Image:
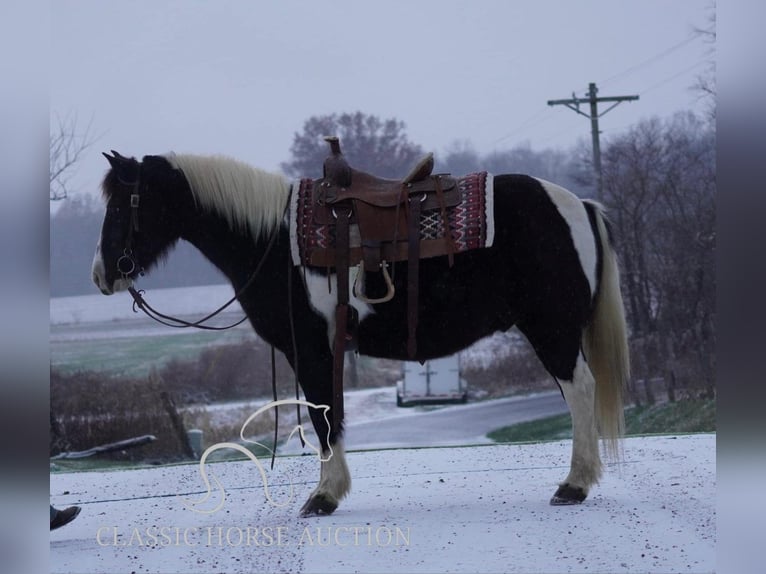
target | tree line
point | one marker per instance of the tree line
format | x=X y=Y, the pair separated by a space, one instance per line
x=660 y=189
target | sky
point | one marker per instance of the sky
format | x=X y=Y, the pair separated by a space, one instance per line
x=241 y=78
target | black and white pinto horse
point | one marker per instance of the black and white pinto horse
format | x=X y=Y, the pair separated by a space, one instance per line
x=551 y=271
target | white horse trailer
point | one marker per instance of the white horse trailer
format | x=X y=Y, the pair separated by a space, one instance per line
x=435 y=381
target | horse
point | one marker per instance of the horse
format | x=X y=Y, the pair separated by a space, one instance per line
x=551 y=271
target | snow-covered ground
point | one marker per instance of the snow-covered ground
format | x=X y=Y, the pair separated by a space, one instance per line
x=456 y=509
x=465 y=509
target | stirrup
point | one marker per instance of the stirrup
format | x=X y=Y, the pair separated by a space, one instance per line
x=386 y=277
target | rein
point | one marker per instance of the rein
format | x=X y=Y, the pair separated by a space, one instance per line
x=140 y=303
x=126 y=265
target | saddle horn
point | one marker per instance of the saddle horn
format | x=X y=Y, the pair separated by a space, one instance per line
x=336 y=169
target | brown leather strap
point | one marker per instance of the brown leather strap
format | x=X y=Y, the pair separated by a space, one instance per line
x=339 y=350
x=343 y=214
x=413 y=271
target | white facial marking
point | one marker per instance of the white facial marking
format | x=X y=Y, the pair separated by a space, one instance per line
x=98 y=272
x=121 y=285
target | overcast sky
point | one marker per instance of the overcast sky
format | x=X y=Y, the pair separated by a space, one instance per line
x=241 y=77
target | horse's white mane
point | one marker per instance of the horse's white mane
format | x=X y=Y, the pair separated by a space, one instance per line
x=247 y=197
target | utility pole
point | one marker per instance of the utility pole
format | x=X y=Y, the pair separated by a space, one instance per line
x=574 y=104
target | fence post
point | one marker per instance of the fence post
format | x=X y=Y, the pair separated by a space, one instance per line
x=195 y=441
x=178 y=424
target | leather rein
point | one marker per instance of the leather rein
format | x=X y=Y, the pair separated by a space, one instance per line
x=126 y=264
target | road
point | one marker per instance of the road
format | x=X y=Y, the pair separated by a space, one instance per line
x=454 y=425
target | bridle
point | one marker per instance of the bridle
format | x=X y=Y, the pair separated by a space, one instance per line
x=127 y=264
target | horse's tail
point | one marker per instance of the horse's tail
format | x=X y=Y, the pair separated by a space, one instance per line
x=605 y=340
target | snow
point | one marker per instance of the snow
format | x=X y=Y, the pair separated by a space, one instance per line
x=373 y=421
x=454 y=508
x=365 y=404
x=460 y=509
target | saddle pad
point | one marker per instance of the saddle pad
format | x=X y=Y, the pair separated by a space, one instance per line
x=471 y=221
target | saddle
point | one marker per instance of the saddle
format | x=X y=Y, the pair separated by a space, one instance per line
x=377 y=221
x=382 y=213
x=352 y=218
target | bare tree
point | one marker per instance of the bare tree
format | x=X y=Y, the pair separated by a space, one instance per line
x=659 y=182
x=552 y=164
x=378 y=146
x=67 y=146
x=705 y=83
x=461 y=158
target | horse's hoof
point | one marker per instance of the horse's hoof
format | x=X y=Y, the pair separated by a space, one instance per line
x=567 y=494
x=319 y=504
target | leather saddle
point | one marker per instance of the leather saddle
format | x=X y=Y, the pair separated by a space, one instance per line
x=374 y=221
x=384 y=214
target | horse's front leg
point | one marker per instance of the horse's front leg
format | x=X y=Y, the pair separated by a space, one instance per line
x=334 y=477
x=334 y=482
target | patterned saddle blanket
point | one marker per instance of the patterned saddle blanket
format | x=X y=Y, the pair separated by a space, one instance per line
x=468 y=212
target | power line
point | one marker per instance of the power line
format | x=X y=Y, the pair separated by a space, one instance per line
x=656 y=57
x=543 y=114
x=674 y=76
x=554 y=135
x=534 y=120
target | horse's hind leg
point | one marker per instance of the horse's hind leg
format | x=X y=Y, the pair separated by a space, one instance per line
x=558 y=347
x=585 y=469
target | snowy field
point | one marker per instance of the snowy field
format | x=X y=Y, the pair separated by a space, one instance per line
x=467 y=509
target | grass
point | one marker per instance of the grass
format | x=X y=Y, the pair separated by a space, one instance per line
x=684 y=416
x=135 y=356
x=690 y=415
x=100 y=463
x=550 y=428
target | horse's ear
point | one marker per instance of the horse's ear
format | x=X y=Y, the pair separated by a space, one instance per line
x=125 y=168
x=112 y=160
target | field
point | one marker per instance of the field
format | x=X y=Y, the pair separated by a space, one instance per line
x=104 y=357
x=685 y=416
x=135 y=355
